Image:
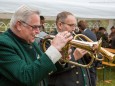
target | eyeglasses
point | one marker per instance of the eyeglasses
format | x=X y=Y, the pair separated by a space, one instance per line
x=71 y=25
x=34 y=27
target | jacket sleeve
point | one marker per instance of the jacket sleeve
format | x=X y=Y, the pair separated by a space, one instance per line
x=18 y=71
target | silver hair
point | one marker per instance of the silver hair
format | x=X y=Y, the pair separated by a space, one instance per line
x=22 y=14
x=62 y=16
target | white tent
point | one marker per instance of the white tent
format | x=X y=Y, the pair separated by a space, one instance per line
x=104 y=9
x=94 y=9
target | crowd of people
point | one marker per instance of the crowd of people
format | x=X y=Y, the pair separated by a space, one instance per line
x=108 y=40
x=24 y=63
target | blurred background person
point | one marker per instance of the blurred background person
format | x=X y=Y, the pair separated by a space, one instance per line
x=42 y=33
x=102 y=33
x=112 y=38
x=83 y=28
x=95 y=30
x=42 y=21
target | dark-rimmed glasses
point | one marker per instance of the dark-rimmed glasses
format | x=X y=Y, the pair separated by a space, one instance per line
x=71 y=25
x=34 y=27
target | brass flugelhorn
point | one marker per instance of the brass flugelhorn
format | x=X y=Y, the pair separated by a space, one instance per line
x=100 y=50
x=89 y=46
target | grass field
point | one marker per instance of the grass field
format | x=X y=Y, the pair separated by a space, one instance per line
x=107 y=74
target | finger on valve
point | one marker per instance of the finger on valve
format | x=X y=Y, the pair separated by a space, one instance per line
x=60 y=41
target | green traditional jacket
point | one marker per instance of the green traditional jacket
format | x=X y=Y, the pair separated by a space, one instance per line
x=22 y=64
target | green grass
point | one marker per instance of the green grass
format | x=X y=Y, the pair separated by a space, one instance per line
x=109 y=74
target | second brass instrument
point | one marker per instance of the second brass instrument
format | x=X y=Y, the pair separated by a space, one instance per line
x=101 y=50
x=89 y=46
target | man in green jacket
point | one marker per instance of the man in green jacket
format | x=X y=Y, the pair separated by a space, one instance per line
x=21 y=61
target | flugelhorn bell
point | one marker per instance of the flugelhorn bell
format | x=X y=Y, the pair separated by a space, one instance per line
x=100 y=50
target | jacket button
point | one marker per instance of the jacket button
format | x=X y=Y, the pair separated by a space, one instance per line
x=72 y=66
x=77 y=82
x=84 y=75
x=76 y=72
x=50 y=72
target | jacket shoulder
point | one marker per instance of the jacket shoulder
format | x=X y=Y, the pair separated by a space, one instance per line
x=5 y=40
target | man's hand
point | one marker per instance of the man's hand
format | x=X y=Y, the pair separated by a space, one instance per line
x=61 y=40
x=79 y=53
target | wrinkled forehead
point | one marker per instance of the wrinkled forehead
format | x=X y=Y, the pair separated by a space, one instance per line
x=35 y=18
x=71 y=19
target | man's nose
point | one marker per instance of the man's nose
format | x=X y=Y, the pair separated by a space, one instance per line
x=73 y=28
x=37 y=31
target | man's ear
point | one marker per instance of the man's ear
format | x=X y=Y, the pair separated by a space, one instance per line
x=18 y=25
x=59 y=26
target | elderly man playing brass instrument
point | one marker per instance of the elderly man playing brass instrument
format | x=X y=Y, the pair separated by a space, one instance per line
x=22 y=63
